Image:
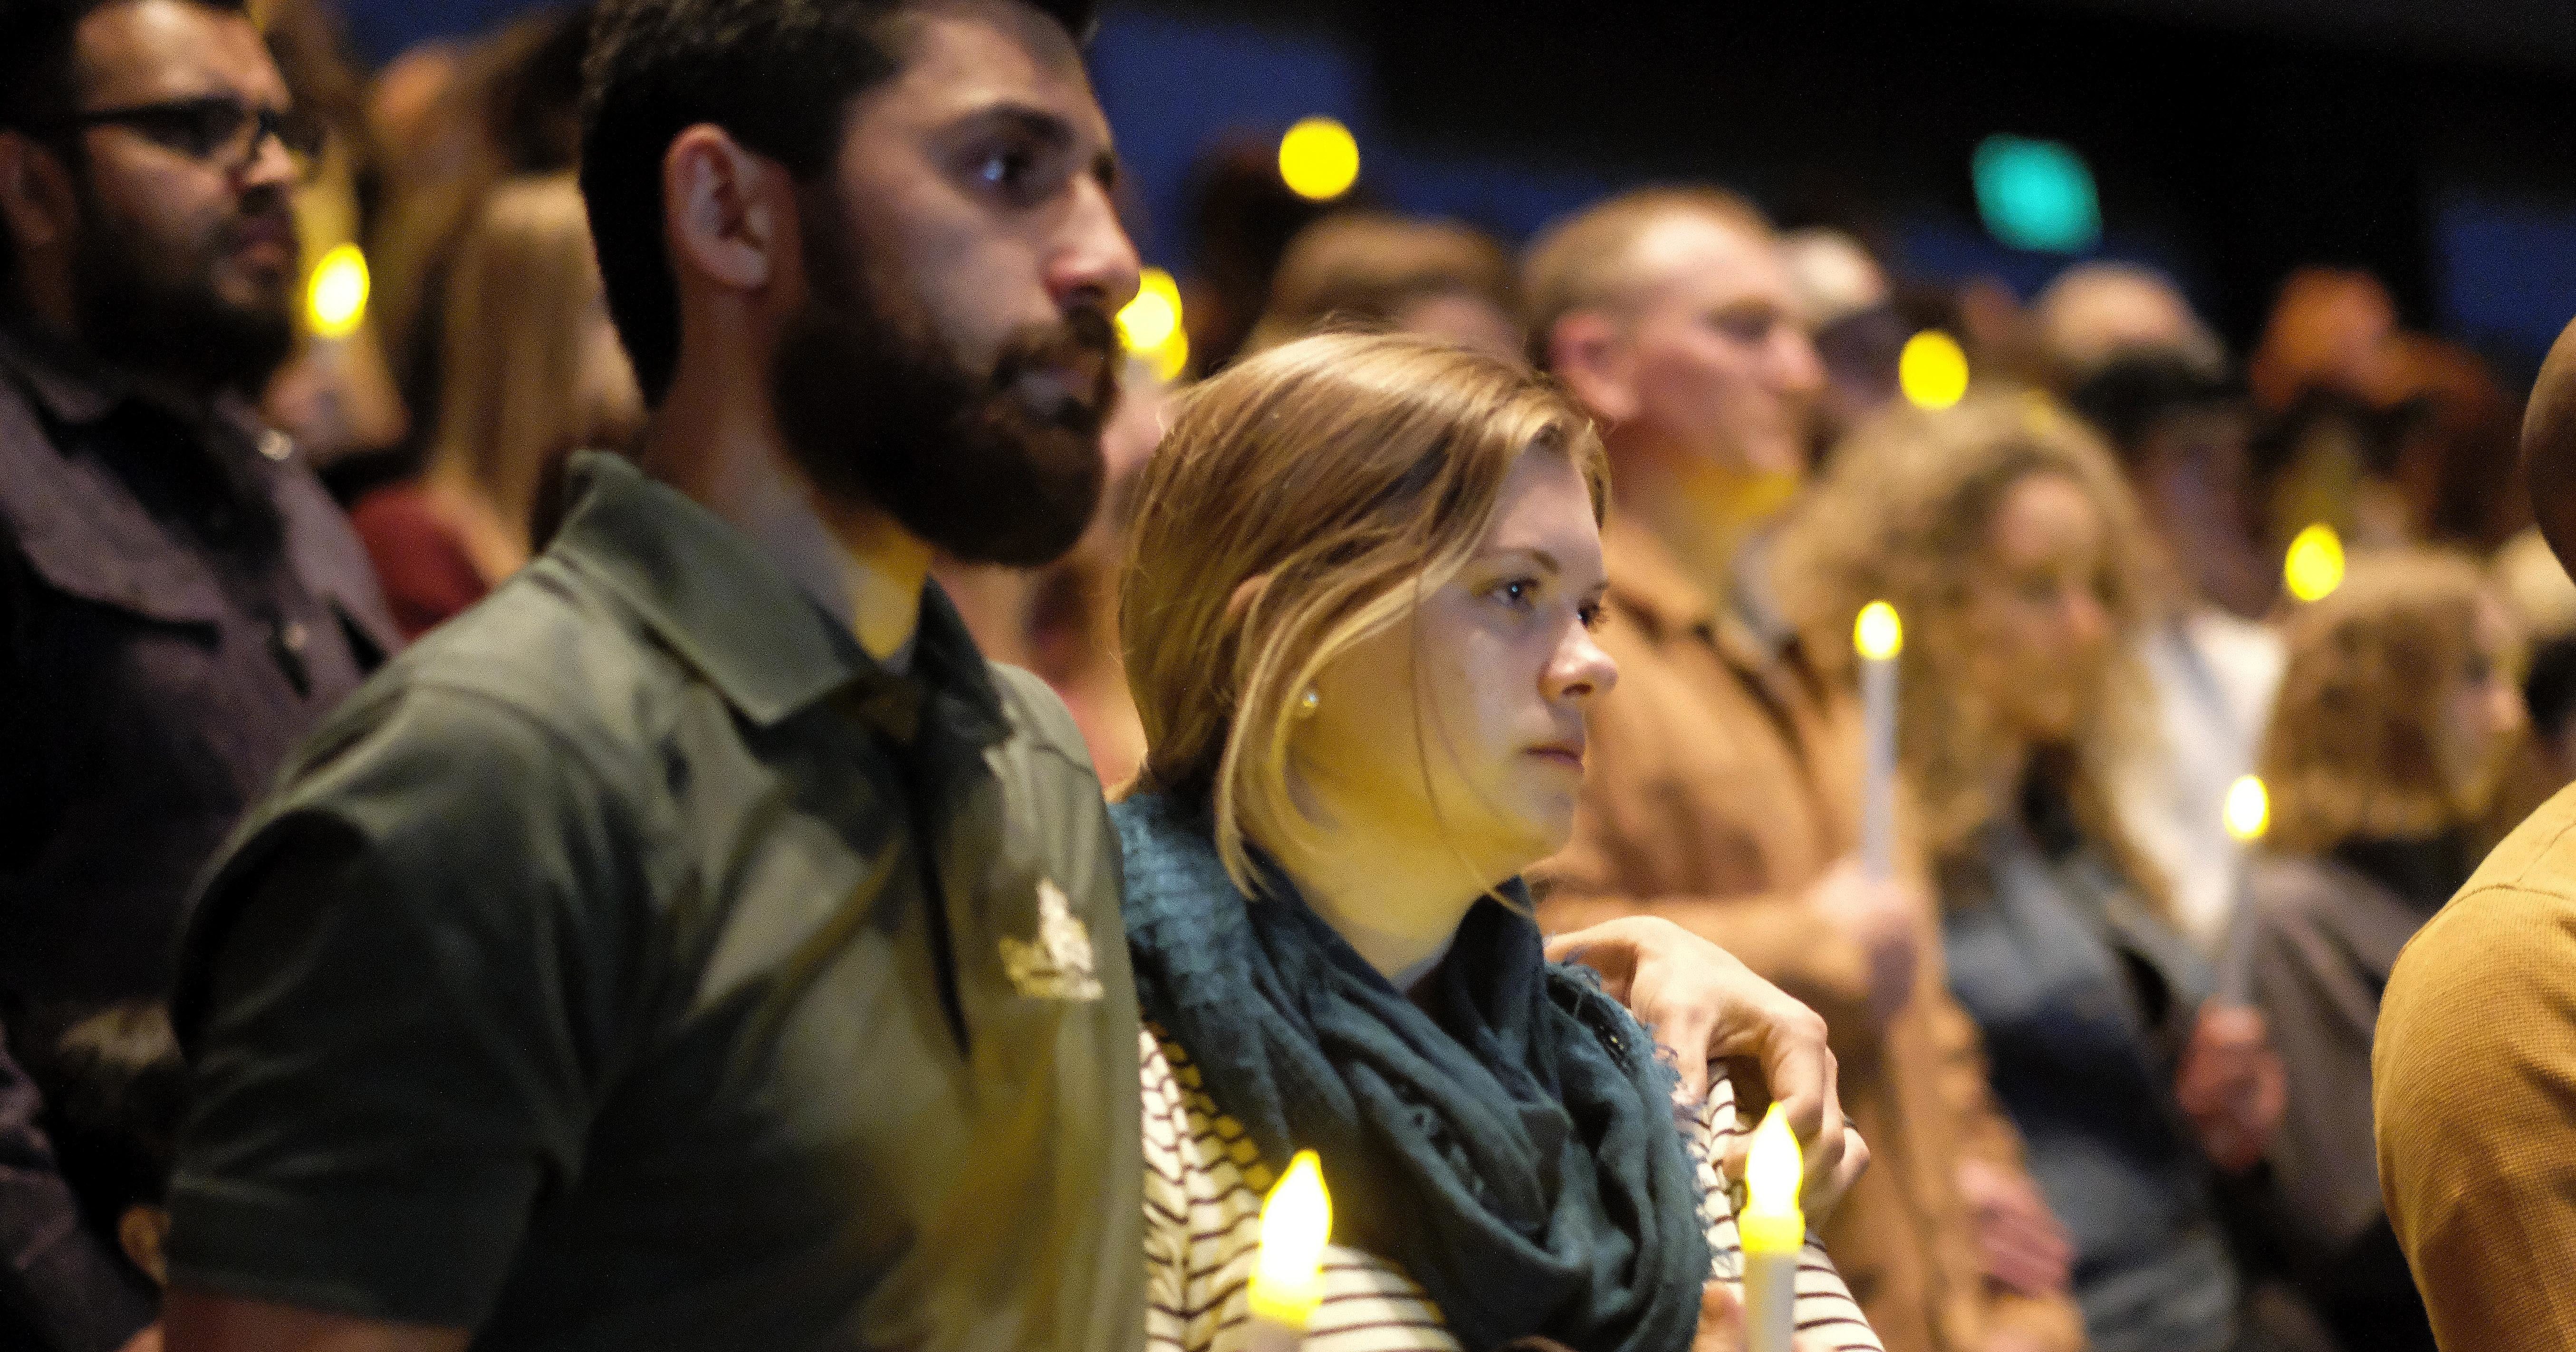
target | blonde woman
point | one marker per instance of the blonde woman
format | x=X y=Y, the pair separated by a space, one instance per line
x=2398 y=712
x=2009 y=542
x=532 y=372
x=1357 y=618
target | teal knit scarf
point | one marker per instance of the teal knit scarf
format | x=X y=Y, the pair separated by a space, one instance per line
x=1509 y=1142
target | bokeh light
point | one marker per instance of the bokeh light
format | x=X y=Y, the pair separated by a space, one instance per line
x=2315 y=564
x=2249 y=809
x=2036 y=195
x=1318 y=159
x=1151 y=327
x=1932 y=370
x=1879 y=634
x=336 y=300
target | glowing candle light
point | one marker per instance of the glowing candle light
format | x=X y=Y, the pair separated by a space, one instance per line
x=1879 y=636
x=1774 y=1230
x=1319 y=159
x=1932 y=370
x=1151 y=325
x=2314 y=567
x=336 y=300
x=1288 y=1276
x=2249 y=809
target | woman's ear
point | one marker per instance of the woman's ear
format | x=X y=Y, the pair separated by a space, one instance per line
x=1245 y=593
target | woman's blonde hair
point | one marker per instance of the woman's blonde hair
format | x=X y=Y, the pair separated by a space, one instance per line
x=1301 y=502
x=511 y=398
x=1903 y=516
x=2354 y=748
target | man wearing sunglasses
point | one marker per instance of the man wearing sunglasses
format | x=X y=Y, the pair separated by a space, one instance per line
x=179 y=600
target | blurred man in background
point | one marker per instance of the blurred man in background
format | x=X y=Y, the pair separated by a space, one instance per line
x=1850 y=312
x=2180 y=430
x=1375 y=269
x=1723 y=790
x=179 y=600
x=2096 y=313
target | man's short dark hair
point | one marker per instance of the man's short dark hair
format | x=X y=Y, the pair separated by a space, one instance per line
x=776 y=75
x=2132 y=395
x=39 y=93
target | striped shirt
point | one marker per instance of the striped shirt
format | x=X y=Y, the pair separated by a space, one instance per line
x=1204 y=1183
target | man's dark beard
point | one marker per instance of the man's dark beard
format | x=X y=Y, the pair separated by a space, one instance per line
x=876 y=409
x=132 y=319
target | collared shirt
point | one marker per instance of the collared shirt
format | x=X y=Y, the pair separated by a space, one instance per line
x=180 y=602
x=2473 y=1096
x=636 y=964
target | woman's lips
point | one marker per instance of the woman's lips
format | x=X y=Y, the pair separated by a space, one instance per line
x=1567 y=754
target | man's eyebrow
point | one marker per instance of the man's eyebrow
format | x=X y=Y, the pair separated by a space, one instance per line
x=1030 y=121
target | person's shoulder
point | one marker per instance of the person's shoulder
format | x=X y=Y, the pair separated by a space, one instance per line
x=2500 y=954
x=2523 y=895
x=538 y=691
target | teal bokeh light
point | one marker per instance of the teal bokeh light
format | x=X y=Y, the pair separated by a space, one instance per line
x=2036 y=195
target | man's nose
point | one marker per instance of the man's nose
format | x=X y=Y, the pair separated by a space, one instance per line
x=1094 y=262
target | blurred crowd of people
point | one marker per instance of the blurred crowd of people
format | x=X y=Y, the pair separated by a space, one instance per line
x=2108 y=1040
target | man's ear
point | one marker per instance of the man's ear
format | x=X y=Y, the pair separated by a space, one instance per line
x=144 y=1233
x=38 y=207
x=1587 y=351
x=728 y=210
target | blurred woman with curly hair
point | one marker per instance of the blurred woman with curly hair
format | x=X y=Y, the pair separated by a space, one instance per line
x=2008 y=540
x=2398 y=712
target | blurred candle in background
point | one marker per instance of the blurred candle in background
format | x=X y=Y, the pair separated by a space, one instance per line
x=1880 y=637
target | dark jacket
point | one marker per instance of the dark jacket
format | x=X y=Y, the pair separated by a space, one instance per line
x=2325 y=933
x=179 y=602
x=2086 y=999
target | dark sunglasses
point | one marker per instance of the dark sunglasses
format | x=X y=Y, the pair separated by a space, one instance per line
x=217 y=129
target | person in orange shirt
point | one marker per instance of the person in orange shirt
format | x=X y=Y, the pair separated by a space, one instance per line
x=1725 y=790
x=2473 y=1073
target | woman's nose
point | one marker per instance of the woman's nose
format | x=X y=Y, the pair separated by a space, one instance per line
x=1581 y=668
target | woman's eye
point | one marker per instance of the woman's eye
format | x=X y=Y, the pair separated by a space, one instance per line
x=1519 y=593
x=1591 y=615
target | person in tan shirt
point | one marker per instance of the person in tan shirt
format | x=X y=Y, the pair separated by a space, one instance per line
x=1724 y=786
x=2473 y=1073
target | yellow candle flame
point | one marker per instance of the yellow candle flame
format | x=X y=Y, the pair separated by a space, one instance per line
x=337 y=298
x=1151 y=326
x=1296 y=1224
x=2249 y=809
x=1879 y=634
x=1319 y=159
x=2315 y=564
x=1773 y=1174
x=1932 y=370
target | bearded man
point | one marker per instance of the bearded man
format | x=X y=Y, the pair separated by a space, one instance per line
x=180 y=602
x=699 y=944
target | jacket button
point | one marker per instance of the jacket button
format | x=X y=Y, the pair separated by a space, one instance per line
x=293 y=636
x=276 y=445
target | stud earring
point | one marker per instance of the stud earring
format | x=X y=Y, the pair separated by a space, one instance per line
x=1306 y=703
